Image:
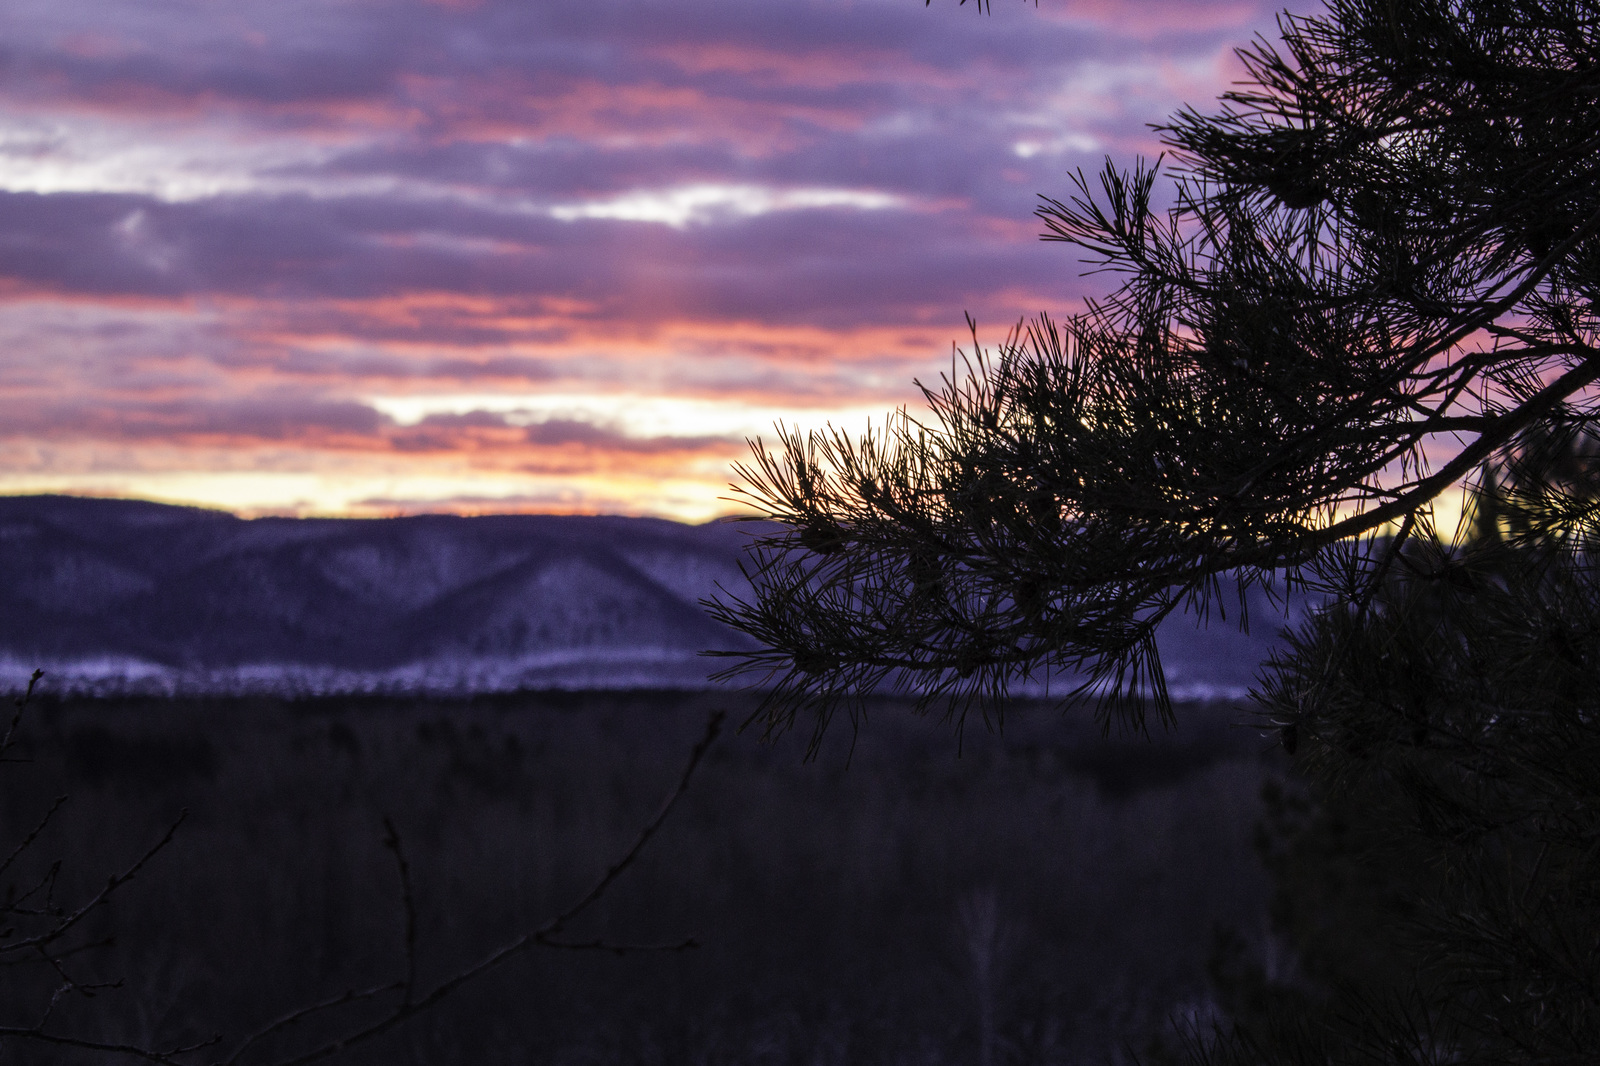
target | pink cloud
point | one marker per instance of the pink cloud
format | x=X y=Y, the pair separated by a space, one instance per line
x=224 y=231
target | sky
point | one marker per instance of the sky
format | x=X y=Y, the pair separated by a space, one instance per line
x=378 y=257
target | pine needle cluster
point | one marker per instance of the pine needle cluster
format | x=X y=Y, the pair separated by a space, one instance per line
x=1376 y=277
x=1374 y=282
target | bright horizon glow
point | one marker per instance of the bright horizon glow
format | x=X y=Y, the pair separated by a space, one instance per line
x=260 y=494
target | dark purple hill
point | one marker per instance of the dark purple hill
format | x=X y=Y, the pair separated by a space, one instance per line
x=123 y=595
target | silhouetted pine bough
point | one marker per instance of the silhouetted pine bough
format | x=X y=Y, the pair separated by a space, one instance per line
x=1049 y=896
x=1437 y=872
x=1377 y=282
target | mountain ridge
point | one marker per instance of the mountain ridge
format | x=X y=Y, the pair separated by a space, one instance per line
x=129 y=596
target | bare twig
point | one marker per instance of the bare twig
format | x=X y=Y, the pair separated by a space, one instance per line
x=410 y=1004
x=165 y=1058
x=70 y=984
x=618 y=949
x=544 y=936
x=300 y=1014
x=46 y=883
x=61 y=953
x=113 y=883
x=49 y=1008
x=59 y=923
x=16 y=719
x=391 y=841
x=556 y=924
x=28 y=840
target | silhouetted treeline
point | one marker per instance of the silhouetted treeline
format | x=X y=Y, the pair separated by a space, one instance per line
x=860 y=913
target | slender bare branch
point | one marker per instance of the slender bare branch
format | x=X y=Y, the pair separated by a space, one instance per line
x=391 y=841
x=113 y=883
x=546 y=935
x=21 y=703
x=28 y=840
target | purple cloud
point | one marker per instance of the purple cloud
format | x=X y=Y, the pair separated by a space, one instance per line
x=288 y=209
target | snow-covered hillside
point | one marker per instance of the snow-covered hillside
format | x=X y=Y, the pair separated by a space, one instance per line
x=126 y=596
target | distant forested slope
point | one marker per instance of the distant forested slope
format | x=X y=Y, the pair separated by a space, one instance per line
x=125 y=595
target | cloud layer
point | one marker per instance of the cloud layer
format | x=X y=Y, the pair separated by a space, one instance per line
x=362 y=257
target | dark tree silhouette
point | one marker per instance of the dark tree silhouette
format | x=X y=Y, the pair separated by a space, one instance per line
x=1377 y=275
x=1376 y=284
x=1439 y=875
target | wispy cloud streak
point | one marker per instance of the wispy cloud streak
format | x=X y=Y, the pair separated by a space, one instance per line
x=298 y=255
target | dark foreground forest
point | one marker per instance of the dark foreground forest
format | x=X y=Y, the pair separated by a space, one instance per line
x=1048 y=896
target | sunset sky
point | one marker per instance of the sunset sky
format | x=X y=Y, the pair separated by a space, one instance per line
x=374 y=257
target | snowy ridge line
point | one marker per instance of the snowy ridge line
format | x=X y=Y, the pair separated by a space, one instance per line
x=128 y=597
x=297 y=681
x=615 y=670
